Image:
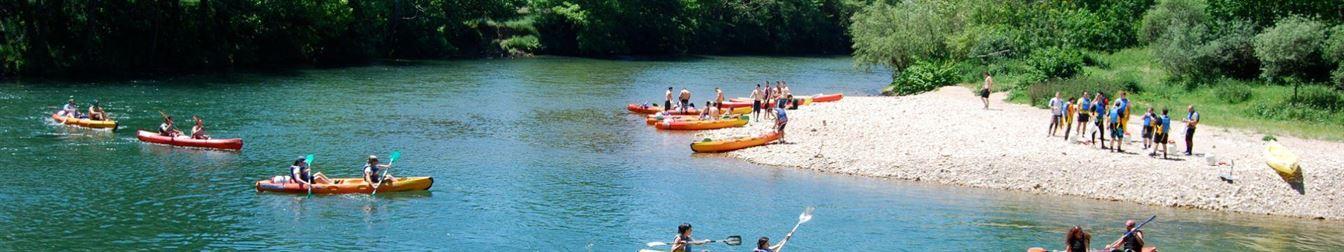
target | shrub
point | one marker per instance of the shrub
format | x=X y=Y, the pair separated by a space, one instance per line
x=1157 y=23
x=1292 y=48
x=1233 y=93
x=1040 y=93
x=923 y=76
x=1057 y=62
x=1318 y=97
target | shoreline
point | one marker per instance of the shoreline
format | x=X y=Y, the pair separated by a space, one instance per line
x=945 y=137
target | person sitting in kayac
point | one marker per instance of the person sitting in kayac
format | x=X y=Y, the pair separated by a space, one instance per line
x=1077 y=240
x=1132 y=242
x=167 y=128
x=198 y=130
x=372 y=171
x=96 y=112
x=684 y=241
x=763 y=244
x=70 y=109
x=300 y=172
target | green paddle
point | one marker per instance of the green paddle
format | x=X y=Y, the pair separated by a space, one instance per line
x=309 y=161
x=390 y=160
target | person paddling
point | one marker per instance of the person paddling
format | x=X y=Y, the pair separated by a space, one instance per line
x=71 y=109
x=167 y=128
x=198 y=130
x=372 y=170
x=1133 y=241
x=96 y=112
x=301 y=173
x=684 y=241
x=1077 y=240
x=763 y=244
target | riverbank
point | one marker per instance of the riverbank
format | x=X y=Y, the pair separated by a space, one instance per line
x=945 y=137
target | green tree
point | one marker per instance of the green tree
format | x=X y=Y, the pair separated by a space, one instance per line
x=897 y=35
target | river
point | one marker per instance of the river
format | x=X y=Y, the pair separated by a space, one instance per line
x=531 y=154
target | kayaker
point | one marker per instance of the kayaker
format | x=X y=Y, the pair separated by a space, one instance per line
x=1117 y=135
x=756 y=102
x=718 y=98
x=1148 y=118
x=198 y=130
x=685 y=99
x=1084 y=112
x=167 y=128
x=684 y=241
x=984 y=90
x=1191 y=121
x=763 y=244
x=1056 y=112
x=301 y=173
x=1077 y=240
x=1123 y=105
x=372 y=171
x=1161 y=132
x=96 y=112
x=1068 y=117
x=70 y=109
x=667 y=102
x=708 y=112
x=1132 y=242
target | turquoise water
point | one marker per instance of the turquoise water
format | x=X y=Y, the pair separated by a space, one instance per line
x=529 y=154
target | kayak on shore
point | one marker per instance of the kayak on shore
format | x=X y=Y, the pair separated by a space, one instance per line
x=1283 y=161
x=345 y=186
x=737 y=143
x=82 y=122
x=702 y=124
x=185 y=141
x=827 y=97
x=652 y=109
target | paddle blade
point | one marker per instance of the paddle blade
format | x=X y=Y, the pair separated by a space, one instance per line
x=308 y=159
x=395 y=156
x=733 y=240
x=806 y=216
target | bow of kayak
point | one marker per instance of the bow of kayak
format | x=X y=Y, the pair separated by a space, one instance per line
x=731 y=144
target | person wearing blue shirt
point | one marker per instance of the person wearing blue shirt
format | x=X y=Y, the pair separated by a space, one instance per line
x=781 y=120
x=1114 y=122
x=1147 y=133
x=1099 y=105
x=1160 y=133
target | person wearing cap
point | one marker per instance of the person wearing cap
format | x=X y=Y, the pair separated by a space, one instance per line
x=301 y=173
x=1131 y=242
x=372 y=171
x=96 y=112
x=70 y=109
x=198 y=130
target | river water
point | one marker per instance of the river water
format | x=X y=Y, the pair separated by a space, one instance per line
x=527 y=155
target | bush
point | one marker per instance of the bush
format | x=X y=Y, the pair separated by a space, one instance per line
x=1057 y=62
x=897 y=35
x=1318 y=97
x=1040 y=93
x=1233 y=93
x=1292 y=48
x=922 y=77
x=1157 y=23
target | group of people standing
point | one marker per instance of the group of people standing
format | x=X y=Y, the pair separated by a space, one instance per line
x=763 y=97
x=1113 y=116
x=766 y=99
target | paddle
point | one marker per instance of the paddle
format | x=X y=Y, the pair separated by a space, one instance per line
x=309 y=161
x=390 y=160
x=802 y=218
x=1130 y=232
x=731 y=240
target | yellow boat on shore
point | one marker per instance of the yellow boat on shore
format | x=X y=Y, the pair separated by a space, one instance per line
x=1283 y=161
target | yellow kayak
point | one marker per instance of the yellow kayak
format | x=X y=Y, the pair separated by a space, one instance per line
x=98 y=124
x=1282 y=161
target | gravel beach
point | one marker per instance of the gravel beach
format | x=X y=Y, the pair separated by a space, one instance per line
x=946 y=137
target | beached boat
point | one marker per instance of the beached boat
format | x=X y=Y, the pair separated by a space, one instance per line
x=737 y=143
x=651 y=109
x=186 y=141
x=1283 y=161
x=701 y=124
x=346 y=186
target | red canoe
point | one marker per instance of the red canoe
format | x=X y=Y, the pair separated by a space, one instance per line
x=655 y=109
x=827 y=97
x=185 y=141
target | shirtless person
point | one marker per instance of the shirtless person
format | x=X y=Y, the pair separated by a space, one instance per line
x=667 y=102
x=984 y=91
x=756 y=103
x=685 y=99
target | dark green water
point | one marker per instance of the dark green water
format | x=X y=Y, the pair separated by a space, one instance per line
x=531 y=154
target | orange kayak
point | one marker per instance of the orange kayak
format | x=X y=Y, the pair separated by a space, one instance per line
x=186 y=141
x=701 y=124
x=731 y=144
x=828 y=97
x=640 y=109
x=97 y=124
x=347 y=186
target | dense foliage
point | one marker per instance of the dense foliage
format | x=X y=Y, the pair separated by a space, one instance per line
x=110 y=37
x=922 y=77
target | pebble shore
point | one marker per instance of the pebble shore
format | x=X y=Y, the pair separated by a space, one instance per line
x=946 y=137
